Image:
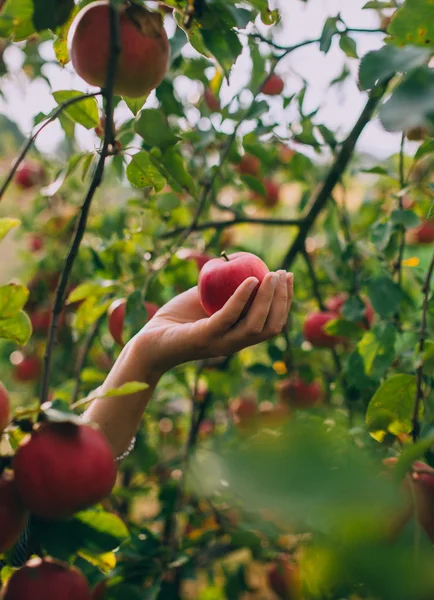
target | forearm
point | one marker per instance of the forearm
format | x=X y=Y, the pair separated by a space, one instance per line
x=119 y=417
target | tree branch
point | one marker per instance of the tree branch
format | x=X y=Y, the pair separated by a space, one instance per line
x=115 y=49
x=34 y=135
x=335 y=173
x=423 y=331
x=398 y=265
x=234 y=222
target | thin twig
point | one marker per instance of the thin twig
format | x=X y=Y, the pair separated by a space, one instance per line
x=82 y=356
x=338 y=168
x=398 y=265
x=234 y=222
x=115 y=49
x=423 y=331
x=28 y=144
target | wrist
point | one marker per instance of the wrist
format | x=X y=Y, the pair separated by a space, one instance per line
x=141 y=359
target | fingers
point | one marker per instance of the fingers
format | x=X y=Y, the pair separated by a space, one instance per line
x=259 y=311
x=278 y=313
x=231 y=312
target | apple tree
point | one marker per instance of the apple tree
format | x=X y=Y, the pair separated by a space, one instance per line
x=299 y=468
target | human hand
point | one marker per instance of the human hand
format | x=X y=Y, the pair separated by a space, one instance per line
x=181 y=331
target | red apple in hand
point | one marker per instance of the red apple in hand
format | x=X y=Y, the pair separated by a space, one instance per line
x=273 y=86
x=336 y=304
x=4 y=408
x=221 y=277
x=116 y=317
x=63 y=468
x=46 y=579
x=313 y=330
x=13 y=516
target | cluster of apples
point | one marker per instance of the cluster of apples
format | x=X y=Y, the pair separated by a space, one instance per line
x=59 y=469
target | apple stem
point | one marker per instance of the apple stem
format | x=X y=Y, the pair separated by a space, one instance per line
x=225 y=256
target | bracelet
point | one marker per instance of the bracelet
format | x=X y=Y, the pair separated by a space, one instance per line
x=127 y=451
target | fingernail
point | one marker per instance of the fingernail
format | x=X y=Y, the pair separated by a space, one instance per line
x=290 y=277
x=274 y=279
x=282 y=275
x=253 y=284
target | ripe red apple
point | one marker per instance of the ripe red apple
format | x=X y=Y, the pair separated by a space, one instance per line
x=299 y=393
x=28 y=369
x=273 y=86
x=63 y=468
x=212 y=101
x=422 y=478
x=313 y=330
x=36 y=243
x=272 y=193
x=4 y=408
x=422 y=234
x=198 y=257
x=116 y=317
x=46 y=579
x=220 y=278
x=28 y=175
x=99 y=591
x=244 y=411
x=13 y=516
x=41 y=319
x=336 y=304
x=285 y=581
x=144 y=57
x=250 y=165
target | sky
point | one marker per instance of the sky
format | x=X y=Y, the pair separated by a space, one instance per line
x=341 y=105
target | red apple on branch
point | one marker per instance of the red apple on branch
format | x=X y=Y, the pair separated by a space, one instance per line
x=116 y=317
x=29 y=174
x=422 y=234
x=63 y=468
x=220 y=278
x=144 y=57
x=28 y=369
x=46 y=579
x=13 y=516
x=4 y=407
x=249 y=165
x=296 y=392
x=314 y=332
x=272 y=194
x=336 y=304
x=198 y=257
x=273 y=86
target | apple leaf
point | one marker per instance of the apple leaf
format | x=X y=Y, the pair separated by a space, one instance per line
x=413 y=23
x=141 y=172
x=49 y=14
x=391 y=408
x=379 y=65
x=6 y=225
x=12 y=299
x=386 y=296
x=152 y=125
x=83 y=112
x=135 y=104
x=411 y=102
x=18 y=328
x=16 y=20
x=132 y=387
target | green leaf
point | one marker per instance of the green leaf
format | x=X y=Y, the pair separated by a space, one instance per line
x=106 y=531
x=391 y=408
x=386 y=296
x=377 y=349
x=132 y=387
x=173 y=162
x=135 y=104
x=84 y=112
x=349 y=46
x=90 y=311
x=141 y=172
x=6 y=224
x=329 y=30
x=152 y=125
x=17 y=329
x=379 y=65
x=411 y=102
x=426 y=148
x=89 y=288
x=256 y=185
x=413 y=24
x=49 y=14
x=12 y=299
x=341 y=327
x=378 y=5
x=405 y=217
x=224 y=45
x=16 y=20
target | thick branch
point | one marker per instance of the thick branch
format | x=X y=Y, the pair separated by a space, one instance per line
x=34 y=135
x=335 y=174
x=423 y=331
x=84 y=211
x=234 y=222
